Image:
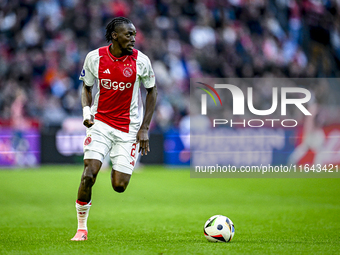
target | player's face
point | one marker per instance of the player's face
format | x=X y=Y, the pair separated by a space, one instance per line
x=125 y=38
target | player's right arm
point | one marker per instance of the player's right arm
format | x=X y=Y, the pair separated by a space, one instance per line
x=88 y=77
x=86 y=102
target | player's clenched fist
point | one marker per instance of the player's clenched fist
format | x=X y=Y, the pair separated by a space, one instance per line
x=88 y=117
x=88 y=123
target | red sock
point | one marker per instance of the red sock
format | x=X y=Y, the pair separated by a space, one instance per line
x=81 y=203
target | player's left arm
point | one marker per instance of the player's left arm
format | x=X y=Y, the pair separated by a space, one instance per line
x=142 y=135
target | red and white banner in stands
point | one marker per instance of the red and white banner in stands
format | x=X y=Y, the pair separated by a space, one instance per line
x=319 y=146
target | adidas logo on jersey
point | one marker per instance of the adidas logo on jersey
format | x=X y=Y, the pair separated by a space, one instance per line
x=107 y=71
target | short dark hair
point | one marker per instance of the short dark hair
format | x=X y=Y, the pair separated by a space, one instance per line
x=111 y=27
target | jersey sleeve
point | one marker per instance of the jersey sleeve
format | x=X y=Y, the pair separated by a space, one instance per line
x=148 y=76
x=86 y=74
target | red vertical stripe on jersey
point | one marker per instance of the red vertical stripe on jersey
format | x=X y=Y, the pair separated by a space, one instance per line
x=117 y=77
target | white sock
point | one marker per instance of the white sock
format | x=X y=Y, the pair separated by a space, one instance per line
x=83 y=214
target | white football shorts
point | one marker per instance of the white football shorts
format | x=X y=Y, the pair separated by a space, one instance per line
x=102 y=139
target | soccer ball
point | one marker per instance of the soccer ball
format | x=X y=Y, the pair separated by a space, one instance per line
x=219 y=228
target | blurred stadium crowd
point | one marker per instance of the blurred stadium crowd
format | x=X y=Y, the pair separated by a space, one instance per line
x=43 y=44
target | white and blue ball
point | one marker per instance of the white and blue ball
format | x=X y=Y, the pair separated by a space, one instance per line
x=219 y=228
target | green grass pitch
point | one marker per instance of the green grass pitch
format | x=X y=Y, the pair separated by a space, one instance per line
x=163 y=212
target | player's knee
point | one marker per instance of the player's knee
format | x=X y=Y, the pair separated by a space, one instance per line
x=119 y=186
x=119 y=189
x=88 y=178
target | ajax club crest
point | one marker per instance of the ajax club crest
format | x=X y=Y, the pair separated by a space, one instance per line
x=127 y=72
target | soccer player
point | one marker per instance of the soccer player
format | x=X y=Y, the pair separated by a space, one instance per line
x=114 y=123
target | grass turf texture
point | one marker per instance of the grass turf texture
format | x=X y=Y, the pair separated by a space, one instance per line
x=163 y=212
